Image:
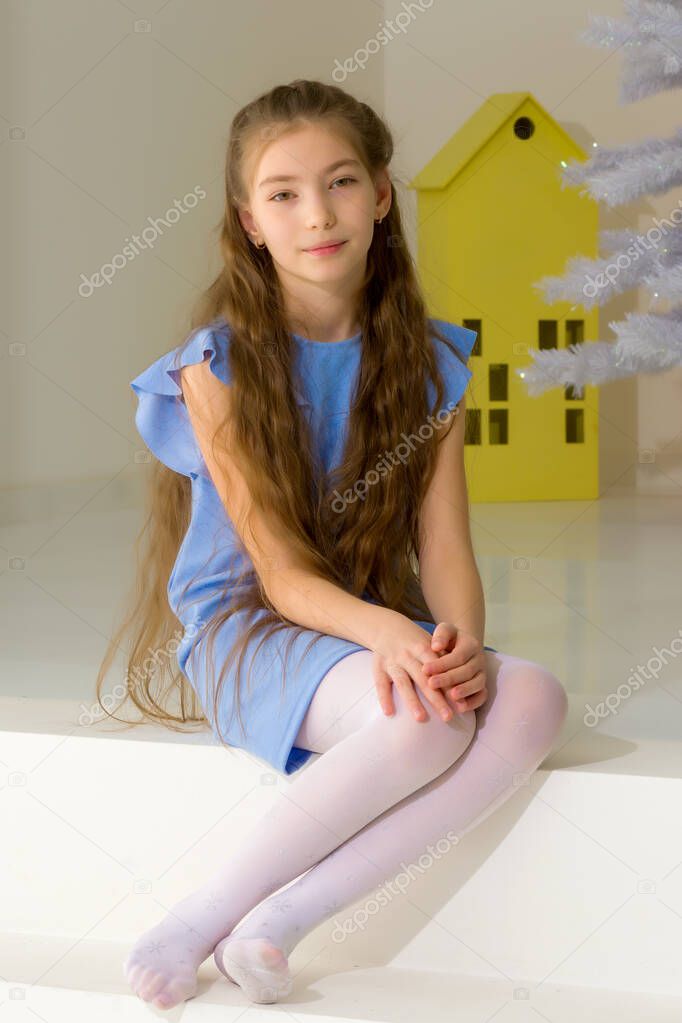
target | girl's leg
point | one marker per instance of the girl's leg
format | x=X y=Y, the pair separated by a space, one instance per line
x=370 y=762
x=516 y=728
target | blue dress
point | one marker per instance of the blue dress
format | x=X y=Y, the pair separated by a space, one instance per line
x=324 y=378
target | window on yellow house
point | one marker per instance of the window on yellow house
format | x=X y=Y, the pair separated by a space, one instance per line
x=572 y=393
x=498 y=381
x=575 y=335
x=575 y=426
x=497 y=425
x=474 y=325
x=547 y=334
x=575 y=332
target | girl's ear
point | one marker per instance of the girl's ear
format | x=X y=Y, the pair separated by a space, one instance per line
x=246 y=220
x=383 y=192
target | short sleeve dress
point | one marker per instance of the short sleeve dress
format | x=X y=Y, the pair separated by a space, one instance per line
x=209 y=555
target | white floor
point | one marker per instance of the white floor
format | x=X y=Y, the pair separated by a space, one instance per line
x=588 y=588
x=591 y=922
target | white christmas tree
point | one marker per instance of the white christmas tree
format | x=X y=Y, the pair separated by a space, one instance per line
x=651 y=39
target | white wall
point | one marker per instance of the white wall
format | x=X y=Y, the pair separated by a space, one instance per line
x=111 y=124
x=114 y=125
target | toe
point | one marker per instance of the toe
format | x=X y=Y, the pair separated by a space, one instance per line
x=273 y=956
x=180 y=989
x=163 y=1001
x=138 y=978
x=152 y=985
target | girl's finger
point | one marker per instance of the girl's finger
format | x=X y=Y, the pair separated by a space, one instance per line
x=467 y=650
x=384 y=688
x=438 y=702
x=431 y=666
x=450 y=660
x=468 y=688
x=471 y=702
x=435 y=698
x=404 y=683
x=459 y=675
x=443 y=636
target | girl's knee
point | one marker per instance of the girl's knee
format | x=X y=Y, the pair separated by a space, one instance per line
x=432 y=746
x=551 y=692
x=546 y=697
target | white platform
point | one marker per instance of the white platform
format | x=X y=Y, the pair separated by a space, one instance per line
x=571 y=887
x=567 y=901
x=84 y=986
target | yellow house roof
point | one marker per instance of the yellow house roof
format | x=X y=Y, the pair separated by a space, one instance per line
x=466 y=142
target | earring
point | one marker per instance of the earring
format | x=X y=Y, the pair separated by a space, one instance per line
x=261 y=246
x=377 y=220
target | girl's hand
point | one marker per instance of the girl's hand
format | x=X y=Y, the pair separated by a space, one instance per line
x=399 y=655
x=460 y=671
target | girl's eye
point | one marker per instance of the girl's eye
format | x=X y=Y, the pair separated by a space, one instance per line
x=275 y=196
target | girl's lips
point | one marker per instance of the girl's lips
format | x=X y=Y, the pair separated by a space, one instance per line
x=325 y=249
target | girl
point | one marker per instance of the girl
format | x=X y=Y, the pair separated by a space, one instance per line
x=309 y=499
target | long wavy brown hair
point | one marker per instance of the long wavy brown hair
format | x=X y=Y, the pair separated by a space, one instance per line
x=371 y=547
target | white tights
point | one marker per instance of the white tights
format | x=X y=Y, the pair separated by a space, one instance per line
x=382 y=790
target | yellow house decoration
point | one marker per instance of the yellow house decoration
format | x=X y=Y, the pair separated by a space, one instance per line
x=493 y=219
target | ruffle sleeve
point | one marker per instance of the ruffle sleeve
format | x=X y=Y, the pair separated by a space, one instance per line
x=456 y=374
x=161 y=417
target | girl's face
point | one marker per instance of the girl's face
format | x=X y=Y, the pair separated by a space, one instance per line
x=308 y=189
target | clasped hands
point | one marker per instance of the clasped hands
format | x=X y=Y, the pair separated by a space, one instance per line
x=460 y=670
x=449 y=670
